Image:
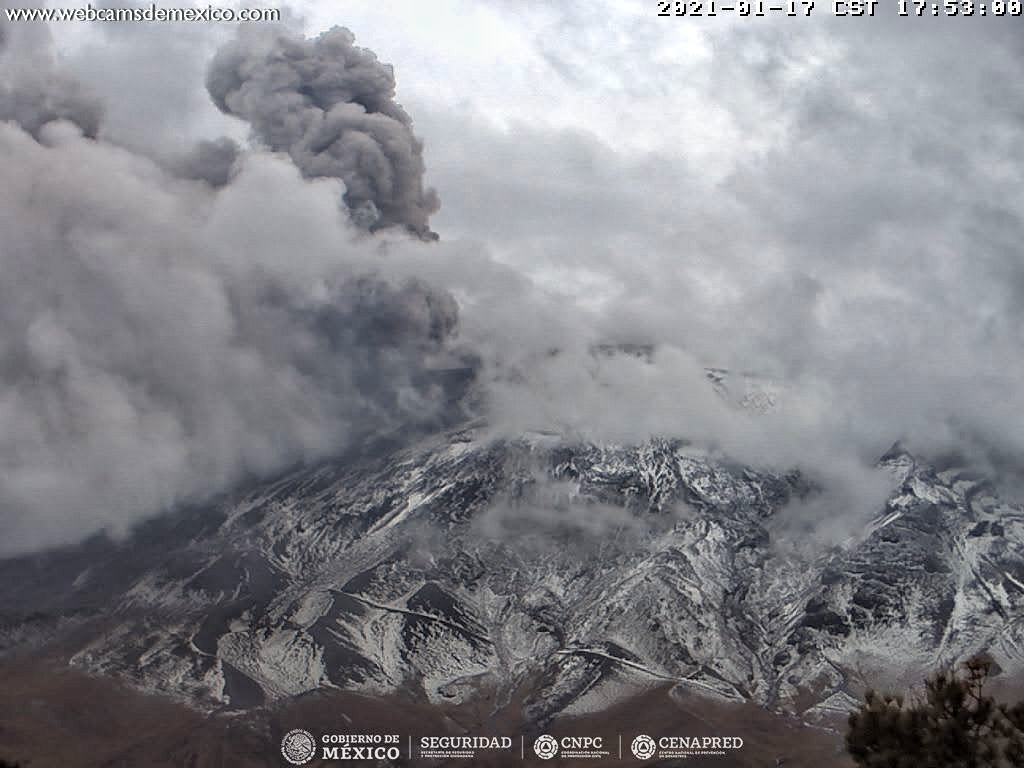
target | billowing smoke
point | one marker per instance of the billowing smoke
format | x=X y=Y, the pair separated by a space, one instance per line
x=33 y=89
x=41 y=98
x=330 y=105
x=170 y=333
x=214 y=162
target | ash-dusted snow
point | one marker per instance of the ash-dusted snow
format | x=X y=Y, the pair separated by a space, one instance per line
x=467 y=562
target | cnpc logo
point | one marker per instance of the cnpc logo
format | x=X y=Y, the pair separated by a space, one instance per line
x=547 y=746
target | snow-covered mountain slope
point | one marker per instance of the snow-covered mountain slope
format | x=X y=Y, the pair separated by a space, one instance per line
x=466 y=563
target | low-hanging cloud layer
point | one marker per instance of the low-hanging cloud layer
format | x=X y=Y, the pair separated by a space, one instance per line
x=180 y=319
x=850 y=223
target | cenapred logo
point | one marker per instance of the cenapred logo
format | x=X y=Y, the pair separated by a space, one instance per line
x=298 y=746
x=643 y=747
x=545 y=747
x=683 y=747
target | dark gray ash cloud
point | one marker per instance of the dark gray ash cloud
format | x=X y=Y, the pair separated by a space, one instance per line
x=172 y=329
x=331 y=105
x=34 y=90
x=214 y=162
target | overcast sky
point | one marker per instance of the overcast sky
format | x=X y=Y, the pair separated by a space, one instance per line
x=831 y=203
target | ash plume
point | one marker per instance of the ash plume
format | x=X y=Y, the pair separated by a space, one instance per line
x=330 y=105
x=214 y=162
x=34 y=90
x=44 y=98
x=174 y=329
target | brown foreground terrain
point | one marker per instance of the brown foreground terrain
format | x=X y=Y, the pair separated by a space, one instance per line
x=52 y=716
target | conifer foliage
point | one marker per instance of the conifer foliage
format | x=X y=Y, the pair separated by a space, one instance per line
x=956 y=724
